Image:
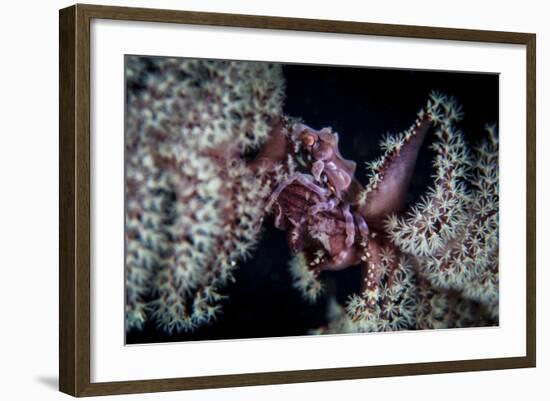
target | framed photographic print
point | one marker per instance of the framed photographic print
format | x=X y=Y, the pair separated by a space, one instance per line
x=252 y=200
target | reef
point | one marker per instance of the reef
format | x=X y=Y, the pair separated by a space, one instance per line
x=211 y=158
x=193 y=206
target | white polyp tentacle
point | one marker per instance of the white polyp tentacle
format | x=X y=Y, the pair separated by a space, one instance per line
x=350 y=227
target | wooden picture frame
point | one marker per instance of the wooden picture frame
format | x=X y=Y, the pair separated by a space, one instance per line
x=75 y=200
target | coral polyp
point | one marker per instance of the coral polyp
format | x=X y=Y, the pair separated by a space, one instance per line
x=213 y=160
x=193 y=206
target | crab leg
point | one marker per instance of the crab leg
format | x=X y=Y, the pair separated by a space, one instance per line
x=317 y=169
x=350 y=227
x=323 y=206
x=362 y=227
x=303 y=179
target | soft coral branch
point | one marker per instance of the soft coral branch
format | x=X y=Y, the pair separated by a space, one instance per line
x=194 y=207
x=391 y=174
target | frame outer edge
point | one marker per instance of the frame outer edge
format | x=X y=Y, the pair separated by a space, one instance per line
x=301 y=24
x=67 y=266
x=531 y=316
x=82 y=201
x=74 y=200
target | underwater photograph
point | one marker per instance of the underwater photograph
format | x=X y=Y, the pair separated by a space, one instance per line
x=269 y=199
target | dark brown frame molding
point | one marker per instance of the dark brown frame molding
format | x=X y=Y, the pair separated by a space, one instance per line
x=74 y=199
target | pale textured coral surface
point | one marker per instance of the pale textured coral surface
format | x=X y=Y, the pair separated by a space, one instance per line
x=193 y=206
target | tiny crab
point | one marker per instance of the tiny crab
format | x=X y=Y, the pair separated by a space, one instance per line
x=320 y=190
x=329 y=218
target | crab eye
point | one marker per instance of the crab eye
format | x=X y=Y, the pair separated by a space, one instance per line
x=307 y=139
